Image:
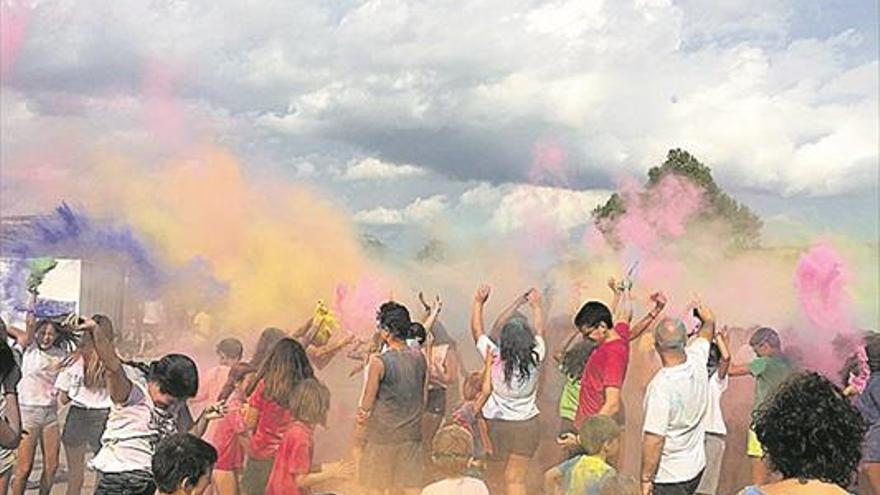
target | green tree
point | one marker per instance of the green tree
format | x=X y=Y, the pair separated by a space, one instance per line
x=745 y=226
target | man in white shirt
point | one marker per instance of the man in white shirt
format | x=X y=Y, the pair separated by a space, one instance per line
x=673 y=451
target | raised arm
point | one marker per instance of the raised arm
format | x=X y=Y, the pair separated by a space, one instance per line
x=535 y=301
x=559 y=356
x=724 y=363
x=659 y=303
x=480 y=298
x=486 y=389
x=433 y=314
x=707 y=321
x=118 y=383
x=506 y=315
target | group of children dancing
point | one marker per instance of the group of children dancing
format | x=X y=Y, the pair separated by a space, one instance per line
x=419 y=427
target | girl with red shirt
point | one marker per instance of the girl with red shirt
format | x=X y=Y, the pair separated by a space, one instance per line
x=268 y=416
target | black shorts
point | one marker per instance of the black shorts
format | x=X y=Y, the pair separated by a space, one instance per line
x=436 y=401
x=515 y=437
x=84 y=427
x=125 y=483
x=391 y=465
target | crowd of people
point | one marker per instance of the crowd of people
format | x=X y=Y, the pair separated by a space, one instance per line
x=423 y=424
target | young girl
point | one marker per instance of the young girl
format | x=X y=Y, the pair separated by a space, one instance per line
x=292 y=471
x=45 y=345
x=512 y=409
x=147 y=406
x=81 y=384
x=268 y=416
x=10 y=420
x=476 y=391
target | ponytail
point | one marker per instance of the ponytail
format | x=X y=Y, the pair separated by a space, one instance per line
x=417 y=331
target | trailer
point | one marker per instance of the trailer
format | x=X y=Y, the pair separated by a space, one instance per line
x=86 y=287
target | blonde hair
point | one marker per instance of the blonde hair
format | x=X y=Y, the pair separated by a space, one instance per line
x=452 y=449
x=310 y=402
x=595 y=432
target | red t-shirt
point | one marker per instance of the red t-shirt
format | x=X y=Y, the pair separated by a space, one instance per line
x=605 y=368
x=294 y=458
x=272 y=421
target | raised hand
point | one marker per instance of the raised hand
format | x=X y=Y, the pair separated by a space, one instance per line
x=482 y=294
x=533 y=297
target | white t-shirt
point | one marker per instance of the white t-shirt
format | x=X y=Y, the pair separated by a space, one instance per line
x=133 y=430
x=675 y=405
x=71 y=380
x=457 y=486
x=516 y=401
x=714 y=420
x=39 y=369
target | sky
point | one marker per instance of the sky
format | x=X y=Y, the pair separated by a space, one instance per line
x=409 y=114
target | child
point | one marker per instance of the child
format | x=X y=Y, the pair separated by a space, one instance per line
x=452 y=451
x=224 y=434
x=10 y=419
x=182 y=465
x=770 y=369
x=585 y=474
x=268 y=415
x=45 y=345
x=476 y=391
x=292 y=471
x=81 y=383
x=147 y=406
x=621 y=485
x=572 y=361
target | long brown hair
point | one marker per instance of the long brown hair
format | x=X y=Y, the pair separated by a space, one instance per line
x=93 y=368
x=310 y=402
x=284 y=367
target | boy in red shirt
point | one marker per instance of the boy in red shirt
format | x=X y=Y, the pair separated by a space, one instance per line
x=292 y=471
x=605 y=371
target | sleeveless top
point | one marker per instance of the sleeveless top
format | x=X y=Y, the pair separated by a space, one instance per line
x=397 y=413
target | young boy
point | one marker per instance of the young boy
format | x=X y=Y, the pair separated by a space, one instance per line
x=292 y=472
x=770 y=369
x=585 y=474
x=182 y=465
x=452 y=450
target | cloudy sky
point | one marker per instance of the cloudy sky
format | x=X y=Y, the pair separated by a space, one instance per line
x=407 y=111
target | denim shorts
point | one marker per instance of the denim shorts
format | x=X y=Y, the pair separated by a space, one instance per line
x=35 y=418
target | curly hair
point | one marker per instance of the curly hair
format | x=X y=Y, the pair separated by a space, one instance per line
x=810 y=431
x=518 y=350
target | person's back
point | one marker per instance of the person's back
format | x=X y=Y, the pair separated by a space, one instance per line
x=398 y=410
x=675 y=405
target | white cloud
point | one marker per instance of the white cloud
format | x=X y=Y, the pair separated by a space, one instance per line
x=420 y=210
x=375 y=169
x=465 y=91
x=562 y=208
